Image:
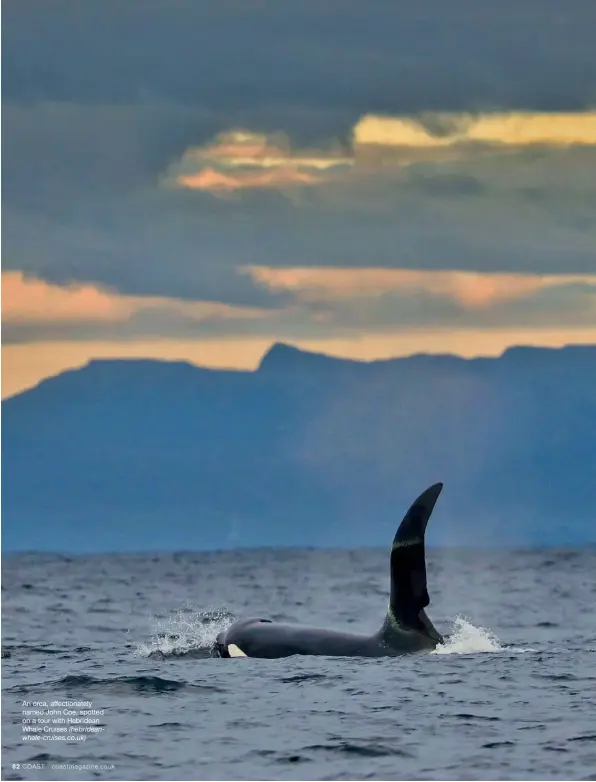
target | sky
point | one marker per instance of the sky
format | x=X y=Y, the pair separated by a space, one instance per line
x=185 y=179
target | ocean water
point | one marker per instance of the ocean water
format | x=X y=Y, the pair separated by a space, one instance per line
x=122 y=641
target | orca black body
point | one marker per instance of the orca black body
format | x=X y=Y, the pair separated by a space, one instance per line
x=406 y=628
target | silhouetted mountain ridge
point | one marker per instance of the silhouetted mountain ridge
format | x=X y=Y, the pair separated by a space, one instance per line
x=306 y=450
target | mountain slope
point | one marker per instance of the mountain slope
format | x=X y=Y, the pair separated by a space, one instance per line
x=307 y=450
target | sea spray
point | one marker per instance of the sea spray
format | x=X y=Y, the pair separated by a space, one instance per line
x=468 y=639
x=185 y=632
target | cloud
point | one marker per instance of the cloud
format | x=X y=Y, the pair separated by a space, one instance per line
x=82 y=201
x=320 y=303
x=33 y=305
x=217 y=181
x=30 y=300
x=246 y=160
x=228 y=56
x=240 y=159
x=470 y=290
x=440 y=130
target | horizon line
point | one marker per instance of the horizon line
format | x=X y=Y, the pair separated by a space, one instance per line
x=291 y=346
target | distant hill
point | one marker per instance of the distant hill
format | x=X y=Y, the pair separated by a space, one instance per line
x=307 y=450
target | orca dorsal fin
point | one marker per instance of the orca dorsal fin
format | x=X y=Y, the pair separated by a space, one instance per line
x=409 y=595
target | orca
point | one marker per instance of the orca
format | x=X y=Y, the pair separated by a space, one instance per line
x=406 y=629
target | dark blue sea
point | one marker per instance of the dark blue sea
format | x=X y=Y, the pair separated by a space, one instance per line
x=106 y=674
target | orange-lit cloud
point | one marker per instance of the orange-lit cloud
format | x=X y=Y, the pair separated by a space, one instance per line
x=209 y=179
x=243 y=148
x=471 y=290
x=500 y=129
x=31 y=300
x=243 y=160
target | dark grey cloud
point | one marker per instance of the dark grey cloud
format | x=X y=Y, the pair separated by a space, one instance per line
x=439 y=185
x=348 y=55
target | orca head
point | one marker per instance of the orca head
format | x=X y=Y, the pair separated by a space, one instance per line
x=230 y=642
x=220 y=648
x=225 y=650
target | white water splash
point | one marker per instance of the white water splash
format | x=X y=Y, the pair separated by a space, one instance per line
x=468 y=639
x=184 y=632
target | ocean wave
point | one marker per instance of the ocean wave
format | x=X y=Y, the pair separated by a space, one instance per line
x=116 y=685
